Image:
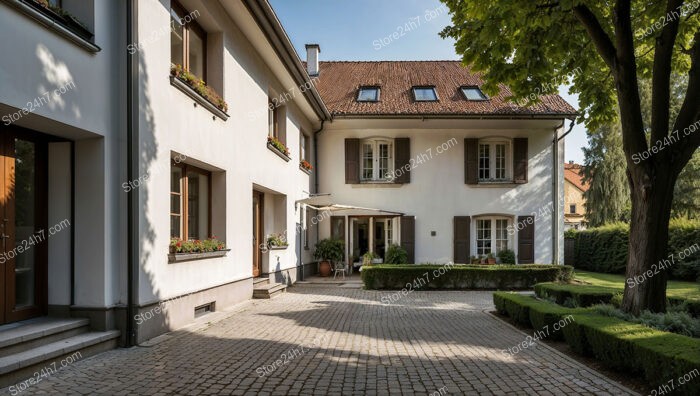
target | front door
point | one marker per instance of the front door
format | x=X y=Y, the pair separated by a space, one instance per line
x=258 y=237
x=23 y=233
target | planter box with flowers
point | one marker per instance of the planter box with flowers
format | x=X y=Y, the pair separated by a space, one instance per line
x=196 y=249
x=198 y=90
x=277 y=242
x=62 y=17
x=277 y=147
x=305 y=166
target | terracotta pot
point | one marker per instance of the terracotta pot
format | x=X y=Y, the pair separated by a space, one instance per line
x=324 y=268
x=492 y=261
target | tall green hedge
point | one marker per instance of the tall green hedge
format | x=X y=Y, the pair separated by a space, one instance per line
x=604 y=249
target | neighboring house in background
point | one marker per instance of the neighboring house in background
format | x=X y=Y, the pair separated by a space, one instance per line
x=574 y=201
x=448 y=172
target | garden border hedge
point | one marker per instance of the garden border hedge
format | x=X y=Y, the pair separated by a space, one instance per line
x=659 y=356
x=462 y=276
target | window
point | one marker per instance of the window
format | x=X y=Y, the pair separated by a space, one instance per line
x=303 y=146
x=273 y=119
x=572 y=208
x=494 y=160
x=424 y=94
x=376 y=160
x=187 y=42
x=492 y=235
x=190 y=213
x=56 y=3
x=368 y=94
x=473 y=93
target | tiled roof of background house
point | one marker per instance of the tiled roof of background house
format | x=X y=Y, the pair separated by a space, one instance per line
x=573 y=174
x=339 y=81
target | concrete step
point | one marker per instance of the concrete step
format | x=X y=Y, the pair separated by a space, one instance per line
x=47 y=358
x=21 y=336
x=261 y=281
x=269 y=290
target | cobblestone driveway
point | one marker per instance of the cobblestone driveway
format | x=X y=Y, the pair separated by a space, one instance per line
x=331 y=340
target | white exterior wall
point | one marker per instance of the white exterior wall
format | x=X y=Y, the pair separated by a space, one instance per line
x=236 y=147
x=37 y=60
x=437 y=192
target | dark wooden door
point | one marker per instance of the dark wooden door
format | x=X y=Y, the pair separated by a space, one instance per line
x=23 y=231
x=258 y=237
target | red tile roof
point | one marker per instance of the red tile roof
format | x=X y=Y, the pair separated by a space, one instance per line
x=573 y=173
x=339 y=81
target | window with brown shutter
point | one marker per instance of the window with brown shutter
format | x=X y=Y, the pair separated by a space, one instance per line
x=408 y=237
x=520 y=160
x=402 y=167
x=462 y=247
x=526 y=239
x=471 y=161
x=352 y=161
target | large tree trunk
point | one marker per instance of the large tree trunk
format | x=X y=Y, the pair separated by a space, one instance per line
x=652 y=194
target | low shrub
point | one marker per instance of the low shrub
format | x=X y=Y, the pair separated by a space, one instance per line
x=674 y=321
x=506 y=256
x=576 y=295
x=395 y=254
x=460 y=276
x=636 y=349
x=528 y=311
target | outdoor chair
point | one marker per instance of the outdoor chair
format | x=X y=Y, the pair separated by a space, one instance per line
x=340 y=267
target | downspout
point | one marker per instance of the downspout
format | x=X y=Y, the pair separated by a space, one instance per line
x=555 y=189
x=132 y=139
x=316 y=132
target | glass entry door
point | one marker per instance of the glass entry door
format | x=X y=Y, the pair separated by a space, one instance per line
x=23 y=215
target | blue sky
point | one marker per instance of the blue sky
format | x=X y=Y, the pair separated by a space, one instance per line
x=362 y=30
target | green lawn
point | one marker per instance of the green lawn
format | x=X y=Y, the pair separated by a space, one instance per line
x=689 y=290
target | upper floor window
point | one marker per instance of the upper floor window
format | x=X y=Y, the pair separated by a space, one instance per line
x=188 y=41
x=368 y=94
x=376 y=162
x=425 y=94
x=303 y=146
x=494 y=160
x=572 y=208
x=473 y=93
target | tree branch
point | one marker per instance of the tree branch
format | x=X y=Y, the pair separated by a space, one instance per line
x=661 y=74
x=600 y=38
x=689 y=113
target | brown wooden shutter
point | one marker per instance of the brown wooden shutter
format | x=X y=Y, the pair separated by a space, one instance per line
x=352 y=161
x=408 y=237
x=402 y=157
x=526 y=239
x=471 y=161
x=520 y=160
x=462 y=246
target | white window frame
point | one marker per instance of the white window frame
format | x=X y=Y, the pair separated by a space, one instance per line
x=492 y=144
x=375 y=145
x=494 y=236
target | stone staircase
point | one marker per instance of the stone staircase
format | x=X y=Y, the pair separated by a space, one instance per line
x=262 y=288
x=44 y=345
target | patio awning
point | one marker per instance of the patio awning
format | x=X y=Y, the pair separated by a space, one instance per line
x=324 y=203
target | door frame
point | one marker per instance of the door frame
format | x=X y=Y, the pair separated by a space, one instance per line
x=8 y=294
x=258 y=232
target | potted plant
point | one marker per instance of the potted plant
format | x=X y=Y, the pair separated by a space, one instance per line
x=277 y=144
x=506 y=256
x=490 y=259
x=474 y=260
x=368 y=258
x=328 y=250
x=305 y=166
x=193 y=249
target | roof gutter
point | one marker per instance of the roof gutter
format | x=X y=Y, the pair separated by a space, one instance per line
x=267 y=21
x=456 y=116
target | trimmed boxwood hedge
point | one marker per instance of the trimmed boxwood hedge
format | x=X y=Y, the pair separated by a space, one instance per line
x=659 y=356
x=531 y=312
x=604 y=249
x=460 y=276
x=581 y=295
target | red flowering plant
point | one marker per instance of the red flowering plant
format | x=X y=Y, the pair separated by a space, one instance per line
x=276 y=143
x=196 y=245
x=305 y=165
x=199 y=86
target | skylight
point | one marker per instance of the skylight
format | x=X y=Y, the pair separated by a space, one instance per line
x=473 y=93
x=368 y=94
x=424 y=94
